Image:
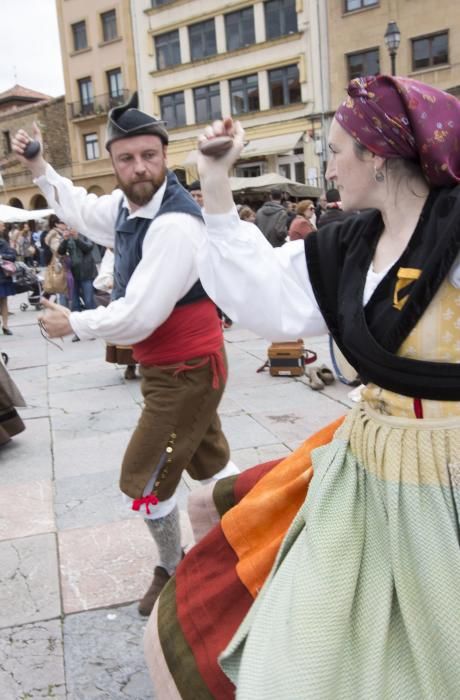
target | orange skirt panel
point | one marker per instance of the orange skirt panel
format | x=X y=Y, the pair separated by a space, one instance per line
x=256 y=526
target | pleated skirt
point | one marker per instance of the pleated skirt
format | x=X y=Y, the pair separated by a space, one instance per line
x=363 y=598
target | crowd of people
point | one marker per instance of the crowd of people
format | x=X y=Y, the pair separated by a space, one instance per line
x=332 y=573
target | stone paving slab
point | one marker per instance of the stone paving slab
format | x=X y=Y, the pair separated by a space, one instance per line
x=26 y=508
x=294 y=427
x=88 y=400
x=90 y=349
x=19 y=352
x=67 y=424
x=229 y=407
x=95 y=499
x=251 y=456
x=282 y=397
x=82 y=365
x=108 y=565
x=29 y=585
x=32 y=383
x=85 y=380
x=28 y=456
x=245 y=431
x=104 y=656
x=88 y=453
x=32 y=662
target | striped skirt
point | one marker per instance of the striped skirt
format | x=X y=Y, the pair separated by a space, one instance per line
x=361 y=597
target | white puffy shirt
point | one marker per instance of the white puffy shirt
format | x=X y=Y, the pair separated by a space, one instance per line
x=164 y=275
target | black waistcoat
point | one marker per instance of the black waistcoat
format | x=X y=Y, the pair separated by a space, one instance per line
x=130 y=234
x=338 y=258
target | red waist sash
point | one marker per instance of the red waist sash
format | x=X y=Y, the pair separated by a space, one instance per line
x=192 y=330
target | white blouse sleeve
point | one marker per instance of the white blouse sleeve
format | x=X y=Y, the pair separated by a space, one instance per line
x=265 y=289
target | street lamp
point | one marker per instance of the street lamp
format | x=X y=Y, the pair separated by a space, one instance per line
x=392 y=40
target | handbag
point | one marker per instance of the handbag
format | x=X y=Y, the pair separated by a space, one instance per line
x=8 y=267
x=288 y=359
x=119 y=354
x=55 y=281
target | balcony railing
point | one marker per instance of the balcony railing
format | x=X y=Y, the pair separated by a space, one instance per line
x=100 y=104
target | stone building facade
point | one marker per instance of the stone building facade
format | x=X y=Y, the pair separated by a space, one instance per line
x=99 y=73
x=258 y=61
x=429 y=50
x=19 y=108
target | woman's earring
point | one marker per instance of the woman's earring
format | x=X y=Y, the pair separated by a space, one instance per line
x=379 y=176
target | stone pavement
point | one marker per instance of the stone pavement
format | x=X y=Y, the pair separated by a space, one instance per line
x=73 y=560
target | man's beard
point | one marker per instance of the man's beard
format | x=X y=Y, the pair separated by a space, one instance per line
x=140 y=192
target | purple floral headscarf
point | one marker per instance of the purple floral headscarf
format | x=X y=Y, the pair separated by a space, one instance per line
x=404 y=118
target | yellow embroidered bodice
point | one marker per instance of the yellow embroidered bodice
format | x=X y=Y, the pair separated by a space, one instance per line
x=436 y=337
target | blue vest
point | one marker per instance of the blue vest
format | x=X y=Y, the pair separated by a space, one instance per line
x=130 y=234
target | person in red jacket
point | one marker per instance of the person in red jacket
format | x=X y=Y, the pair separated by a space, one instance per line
x=302 y=225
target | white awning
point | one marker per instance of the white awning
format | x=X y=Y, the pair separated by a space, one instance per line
x=16 y=215
x=272 y=145
x=260 y=148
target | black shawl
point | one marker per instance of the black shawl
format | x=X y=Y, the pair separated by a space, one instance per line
x=338 y=258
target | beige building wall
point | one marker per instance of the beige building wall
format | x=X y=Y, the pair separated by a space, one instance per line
x=94 y=61
x=364 y=29
x=301 y=48
x=18 y=188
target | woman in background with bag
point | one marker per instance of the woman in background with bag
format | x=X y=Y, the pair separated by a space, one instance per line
x=58 y=277
x=7 y=269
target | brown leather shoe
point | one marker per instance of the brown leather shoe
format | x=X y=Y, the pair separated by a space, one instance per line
x=160 y=579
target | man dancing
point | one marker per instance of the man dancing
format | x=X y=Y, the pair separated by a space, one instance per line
x=161 y=309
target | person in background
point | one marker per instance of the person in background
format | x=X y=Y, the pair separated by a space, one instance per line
x=328 y=606
x=36 y=240
x=272 y=218
x=195 y=190
x=103 y=285
x=302 y=224
x=13 y=236
x=334 y=210
x=320 y=207
x=291 y=212
x=79 y=249
x=4 y=231
x=24 y=248
x=6 y=281
x=247 y=214
x=45 y=248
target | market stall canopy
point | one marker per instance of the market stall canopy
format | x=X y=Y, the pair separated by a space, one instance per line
x=269 y=181
x=16 y=215
x=259 y=148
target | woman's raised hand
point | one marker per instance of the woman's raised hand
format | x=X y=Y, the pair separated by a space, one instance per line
x=220 y=146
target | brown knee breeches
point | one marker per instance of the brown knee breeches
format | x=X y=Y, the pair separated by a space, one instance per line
x=178 y=429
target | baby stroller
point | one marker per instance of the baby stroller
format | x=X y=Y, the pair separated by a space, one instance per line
x=27 y=279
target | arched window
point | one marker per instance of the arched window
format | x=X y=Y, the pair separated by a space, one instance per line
x=95 y=189
x=38 y=201
x=15 y=202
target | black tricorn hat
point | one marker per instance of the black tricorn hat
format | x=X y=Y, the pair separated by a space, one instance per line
x=126 y=121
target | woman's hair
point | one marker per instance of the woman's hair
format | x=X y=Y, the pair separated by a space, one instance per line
x=246 y=212
x=304 y=205
x=52 y=221
x=399 y=168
